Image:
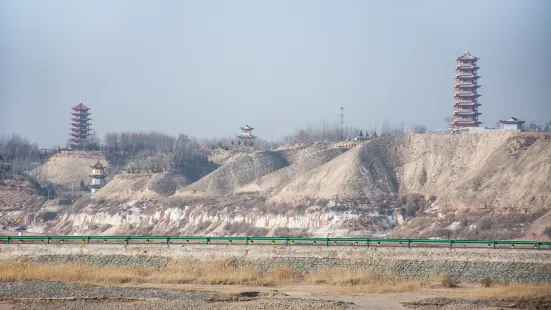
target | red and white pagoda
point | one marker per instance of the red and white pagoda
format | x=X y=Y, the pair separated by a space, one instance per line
x=465 y=110
x=80 y=126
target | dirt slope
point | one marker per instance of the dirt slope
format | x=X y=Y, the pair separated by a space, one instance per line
x=68 y=167
x=239 y=172
x=491 y=170
x=304 y=161
x=364 y=171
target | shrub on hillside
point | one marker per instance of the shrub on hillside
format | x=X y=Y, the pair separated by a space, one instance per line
x=486 y=282
x=449 y=282
x=485 y=223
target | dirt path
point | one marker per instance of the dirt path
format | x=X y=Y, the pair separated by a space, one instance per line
x=375 y=301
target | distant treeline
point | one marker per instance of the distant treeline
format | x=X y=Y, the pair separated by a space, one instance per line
x=19 y=153
x=326 y=131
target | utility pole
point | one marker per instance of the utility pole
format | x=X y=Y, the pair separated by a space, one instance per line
x=342 y=121
x=271 y=136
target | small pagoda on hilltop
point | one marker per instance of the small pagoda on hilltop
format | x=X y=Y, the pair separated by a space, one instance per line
x=246 y=138
x=465 y=109
x=512 y=124
x=97 y=177
x=80 y=126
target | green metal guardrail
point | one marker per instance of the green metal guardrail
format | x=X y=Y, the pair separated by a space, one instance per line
x=368 y=242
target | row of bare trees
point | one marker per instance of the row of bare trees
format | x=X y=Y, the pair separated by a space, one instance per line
x=327 y=131
x=20 y=153
x=538 y=126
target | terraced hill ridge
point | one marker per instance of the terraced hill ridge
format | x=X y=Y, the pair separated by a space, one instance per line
x=477 y=186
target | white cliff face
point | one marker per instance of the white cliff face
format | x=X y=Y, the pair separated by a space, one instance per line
x=196 y=220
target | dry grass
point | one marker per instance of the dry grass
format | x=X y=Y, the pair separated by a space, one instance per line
x=513 y=290
x=365 y=281
x=205 y=273
x=227 y=273
x=188 y=272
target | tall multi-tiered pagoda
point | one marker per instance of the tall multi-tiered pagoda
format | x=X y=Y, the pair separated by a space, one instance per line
x=80 y=126
x=465 y=110
x=246 y=137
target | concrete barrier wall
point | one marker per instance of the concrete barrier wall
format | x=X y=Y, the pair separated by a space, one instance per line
x=466 y=265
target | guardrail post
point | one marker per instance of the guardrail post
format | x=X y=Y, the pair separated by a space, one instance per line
x=9 y=238
x=246 y=240
x=451 y=244
x=495 y=245
x=327 y=242
x=409 y=243
x=367 y=243
x=126 y=240
x=286 y=241
x=88 y=240
x=207 y=240
x=539 y=245
x=167 y=240
x=49 y=238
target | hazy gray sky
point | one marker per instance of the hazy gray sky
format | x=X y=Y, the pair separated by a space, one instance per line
x=207 y=67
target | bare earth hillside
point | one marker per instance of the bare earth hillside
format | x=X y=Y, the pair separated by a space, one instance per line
x=19 y=203
x=458 y=186
x=301 y=164
x=239 y=172
x=68 y=168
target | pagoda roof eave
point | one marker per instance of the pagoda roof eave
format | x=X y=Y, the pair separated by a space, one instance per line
x=80 y=106
x=466 y=122
x=467 y=76
x=512 y=121
x=98 y=165
x=246 y=137
x=467 y=56
x=467 y=95
x=80 y=125
x=466 y=86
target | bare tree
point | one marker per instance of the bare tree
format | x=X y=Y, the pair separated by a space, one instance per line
x=420 y=129
x=19 y=152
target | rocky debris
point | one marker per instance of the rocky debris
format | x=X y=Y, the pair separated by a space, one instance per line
x=100 y=260
x=58 y=295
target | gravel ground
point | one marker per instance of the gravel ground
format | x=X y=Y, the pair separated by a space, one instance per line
x=463 y=304
x=58 y=295
x=274 y=304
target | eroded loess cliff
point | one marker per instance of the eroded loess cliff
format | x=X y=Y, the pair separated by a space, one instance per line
x=477 y=186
